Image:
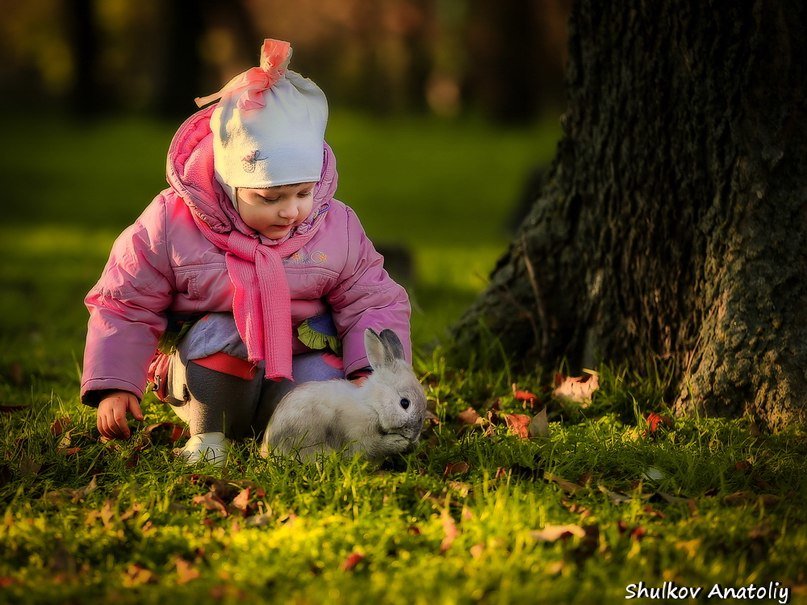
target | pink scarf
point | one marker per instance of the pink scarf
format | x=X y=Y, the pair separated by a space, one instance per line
x=262 y=313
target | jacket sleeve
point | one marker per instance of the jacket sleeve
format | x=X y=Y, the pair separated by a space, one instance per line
x=127 y=309
x=366 y=297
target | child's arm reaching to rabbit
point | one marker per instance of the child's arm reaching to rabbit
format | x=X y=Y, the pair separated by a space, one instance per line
x=112 y=414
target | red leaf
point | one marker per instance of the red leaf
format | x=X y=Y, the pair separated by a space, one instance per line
x=526 y=397
x=519 y=424
x=657 y=421
x=351 y=561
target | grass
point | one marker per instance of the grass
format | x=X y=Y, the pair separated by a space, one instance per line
x=471 y=516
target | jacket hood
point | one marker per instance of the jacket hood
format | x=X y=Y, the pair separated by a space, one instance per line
x=189 y=170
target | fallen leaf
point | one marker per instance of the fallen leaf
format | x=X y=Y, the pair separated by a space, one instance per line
x=579 y=388
x=136 y=575
x=565 y=485
x=211 y=502
x=636 y=533
x=431 y=418
x=6 y=581
x=29 y=466
x=615 y=497
x=350 y=562
x=243 y=501
x=185 y=571
x=456 y=468
x=450 y=532
x=539 y=426
x=59 y=496
x=526 y=397
x=553 y=533
x=165 y=433
x=469 y=416
x=576 y=508
x=59 y=425
x=6 y=408
x=655 y=422
x=518 y=425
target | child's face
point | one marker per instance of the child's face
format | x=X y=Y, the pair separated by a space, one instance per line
x=273 y=212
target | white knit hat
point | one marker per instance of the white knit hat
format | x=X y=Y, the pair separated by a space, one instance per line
x=269 y=126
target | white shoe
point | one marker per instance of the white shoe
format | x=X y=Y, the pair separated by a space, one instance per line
x=209 y=447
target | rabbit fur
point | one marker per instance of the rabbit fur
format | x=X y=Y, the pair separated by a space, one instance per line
x=382 y=416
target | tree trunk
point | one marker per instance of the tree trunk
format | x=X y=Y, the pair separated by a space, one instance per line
x=674 y=220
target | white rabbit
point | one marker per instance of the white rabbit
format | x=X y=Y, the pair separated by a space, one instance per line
x=382 y=416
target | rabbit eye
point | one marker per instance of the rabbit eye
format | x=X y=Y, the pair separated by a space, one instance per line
x=404 y=403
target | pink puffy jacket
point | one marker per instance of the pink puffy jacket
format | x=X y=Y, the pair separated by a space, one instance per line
x=163 y=265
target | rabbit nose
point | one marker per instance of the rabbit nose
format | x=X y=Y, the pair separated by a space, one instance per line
x=404 y=403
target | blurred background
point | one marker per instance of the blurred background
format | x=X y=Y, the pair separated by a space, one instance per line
x=444 y=113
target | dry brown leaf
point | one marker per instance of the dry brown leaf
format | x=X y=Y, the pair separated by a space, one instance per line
x=210 y=501
x=29 y=466
x=185 y=571
x=469 y=416
x=136 y=575
x=59 y=425
x=456 y=468
x=241 y=501
x=553 y=533
x=59 y=496
x=676 y=499
x=565 y=485
x=350 y=562
x=615 y=497
x=576 y=388
x=539 y=426
x=518 y=424
x=450 y=532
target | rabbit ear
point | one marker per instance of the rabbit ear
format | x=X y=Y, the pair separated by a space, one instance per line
x=376 y=351
x=392 y=344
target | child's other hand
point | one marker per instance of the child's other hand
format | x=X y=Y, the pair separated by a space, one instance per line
x=112 y=413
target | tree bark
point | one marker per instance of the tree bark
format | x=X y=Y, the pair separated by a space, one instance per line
x=673 y=222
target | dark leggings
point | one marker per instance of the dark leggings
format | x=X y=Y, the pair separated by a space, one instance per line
x=211 y=401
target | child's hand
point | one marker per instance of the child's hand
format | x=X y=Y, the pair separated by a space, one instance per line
x=112 y=411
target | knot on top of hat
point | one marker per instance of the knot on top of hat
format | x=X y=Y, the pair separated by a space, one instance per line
x=250 y=85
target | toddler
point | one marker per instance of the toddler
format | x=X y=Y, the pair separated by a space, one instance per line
x=243 y=278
